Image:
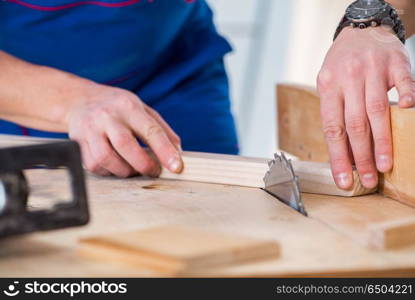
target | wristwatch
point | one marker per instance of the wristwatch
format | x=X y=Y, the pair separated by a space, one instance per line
x=372 y=13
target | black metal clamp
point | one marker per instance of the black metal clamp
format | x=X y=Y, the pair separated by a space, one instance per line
x=15 y=218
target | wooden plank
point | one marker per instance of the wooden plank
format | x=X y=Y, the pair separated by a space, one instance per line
x=221 y=169
x=373 y=221
x=249 y=172
x=399 y=184
x=8 y=140
x=393 y=235
x=299 y=123
x=309 y=247
x=322 y=245
x=238 y=170
x=175 y=250
x=316 y=178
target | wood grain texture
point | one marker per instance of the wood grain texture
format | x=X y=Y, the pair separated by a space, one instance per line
x=221 y=169
x=371 y=220
x=176 y=250
x=249 y=172
x=399 y=184
x=316 y=246
x=322 y=245
x=238 y=170
x=299 y=123
x=316 y=178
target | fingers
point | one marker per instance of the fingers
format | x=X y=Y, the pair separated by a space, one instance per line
x=127 y=146
x=405 y=84
x=104 y=156
x=88 y=160
x=359 y=133
x=174 y=138
x=363 y=75
x=332 y=114
x=378 y=112
x=108 y=129
x=153 y=134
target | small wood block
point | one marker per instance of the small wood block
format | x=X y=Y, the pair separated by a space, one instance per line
x=365 y=219
x=392 y=235
x=399 y=183
x=177 y=250
x=316 y=178
x=221 y=169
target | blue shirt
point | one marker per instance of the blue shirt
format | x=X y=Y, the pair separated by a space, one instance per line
x=166 y=51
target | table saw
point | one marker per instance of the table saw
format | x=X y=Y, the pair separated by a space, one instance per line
x=368 y=235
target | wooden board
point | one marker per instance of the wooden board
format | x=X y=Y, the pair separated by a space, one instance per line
x=317 y=178
x=322 y=245
x=314 y=177
x=238 y=170
x=175 y=250
x=399 y=184
x=299 y=123
x=393 y=235
x=308 y=245
x=7 y=140
x=373 y=221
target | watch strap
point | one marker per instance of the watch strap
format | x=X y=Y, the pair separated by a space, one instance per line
x=393 y=20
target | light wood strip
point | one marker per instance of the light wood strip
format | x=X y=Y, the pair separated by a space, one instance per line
x=315 y=178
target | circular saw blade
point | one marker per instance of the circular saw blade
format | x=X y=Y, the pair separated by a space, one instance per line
x=281 y=182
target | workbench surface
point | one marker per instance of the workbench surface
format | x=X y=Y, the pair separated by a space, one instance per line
x=330 y=242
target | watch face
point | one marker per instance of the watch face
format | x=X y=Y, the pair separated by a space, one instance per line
x=365 y=10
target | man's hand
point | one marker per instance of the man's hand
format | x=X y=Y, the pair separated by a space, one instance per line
x=359 y=70
x=106 y=125
x=105 y=120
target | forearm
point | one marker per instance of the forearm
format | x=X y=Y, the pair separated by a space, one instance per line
x=406 y=10
x=37 y=96
x=106 y=121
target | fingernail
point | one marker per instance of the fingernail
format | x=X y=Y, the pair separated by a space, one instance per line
x=175 y=164
x=343 y=180
x=384 y=162
x=369 y=180
x=409 y=100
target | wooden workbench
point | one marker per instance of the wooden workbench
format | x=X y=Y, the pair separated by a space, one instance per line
x=332 y=241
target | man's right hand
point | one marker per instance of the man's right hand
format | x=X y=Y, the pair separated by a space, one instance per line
x=107 y=123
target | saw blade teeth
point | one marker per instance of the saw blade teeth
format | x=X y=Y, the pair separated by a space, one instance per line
x=288 y=165
x=266 y=176
x=284 y=160
x=279 y=178
x=291 y=166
